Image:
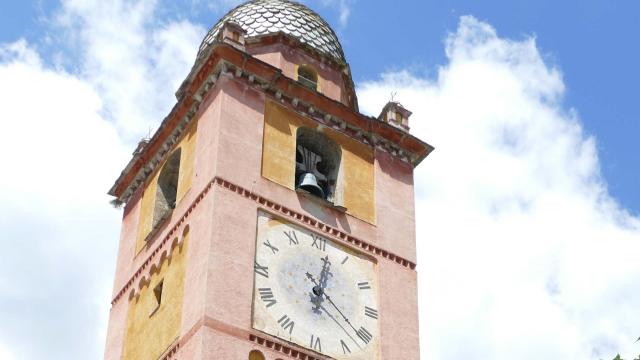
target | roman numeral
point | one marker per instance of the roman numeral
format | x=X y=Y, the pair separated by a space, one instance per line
x=345 y=260
x=293 y=238
x=273 y=248
x=267 y=296
x=372 y=313
x=318 y=242
x=345 y=348
x=315 y=345
x=286 y=323
x=364 y=335
x=364 y=285
x=262 y=270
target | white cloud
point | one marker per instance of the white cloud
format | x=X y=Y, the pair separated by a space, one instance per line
x=5 y=354
x=68 y=135
x=59 y=158
x=217 y=5
x=135 y=61
x=522 y=252
x=343 y=7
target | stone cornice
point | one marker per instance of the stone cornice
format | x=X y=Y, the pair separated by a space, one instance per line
x=229 y=61
x=287 y=349
x=153 y=262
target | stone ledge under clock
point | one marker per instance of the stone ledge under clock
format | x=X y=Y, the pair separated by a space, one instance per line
x=290 y=350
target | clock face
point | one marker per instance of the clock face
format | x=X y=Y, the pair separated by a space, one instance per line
x=314 y=292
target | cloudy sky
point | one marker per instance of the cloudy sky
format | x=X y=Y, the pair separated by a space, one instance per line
x=528 y=231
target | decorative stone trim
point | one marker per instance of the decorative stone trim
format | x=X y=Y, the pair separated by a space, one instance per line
x=262 y=201
x=288 y=350
x=313 y=223
x=171 y=352
x=309 y=111
x=148 y=262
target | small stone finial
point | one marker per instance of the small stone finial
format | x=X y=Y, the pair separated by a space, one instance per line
x=395 y=114
x=141 y=144
x=233 y=34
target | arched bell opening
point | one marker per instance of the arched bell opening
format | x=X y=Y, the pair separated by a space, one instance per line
x=167 y=188
x=317 y=163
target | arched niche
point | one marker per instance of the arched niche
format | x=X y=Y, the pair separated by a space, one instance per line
x=308 y=76
x=167 y=188
x=319 y=155
x=256 y=355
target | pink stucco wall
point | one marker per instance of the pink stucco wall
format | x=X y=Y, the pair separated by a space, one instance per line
x=286 y=58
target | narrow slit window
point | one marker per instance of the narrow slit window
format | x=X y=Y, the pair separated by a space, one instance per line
x=157 y=297
x=157 y=292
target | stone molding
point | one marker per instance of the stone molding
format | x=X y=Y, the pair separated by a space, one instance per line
x=171 y=351
x=264 y=340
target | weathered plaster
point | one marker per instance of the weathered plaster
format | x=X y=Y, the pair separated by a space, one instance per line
x=152 y=329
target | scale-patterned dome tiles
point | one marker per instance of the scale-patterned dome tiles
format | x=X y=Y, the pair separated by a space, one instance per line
x=261 y=17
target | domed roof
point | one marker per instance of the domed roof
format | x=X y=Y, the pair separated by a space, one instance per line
x=262 y=17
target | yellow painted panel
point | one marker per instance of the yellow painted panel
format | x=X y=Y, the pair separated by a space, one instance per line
x=185 y=178
x=279 y=145
x=151 y=329
x=358 y=185
x=146 y=210
x=187 y=144
x=355 y=188
x=356 y=179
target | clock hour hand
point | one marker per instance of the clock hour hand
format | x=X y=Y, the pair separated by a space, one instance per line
x=324 y=274
x=316 y=294
x=321 y=284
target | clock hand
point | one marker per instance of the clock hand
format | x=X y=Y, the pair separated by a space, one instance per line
x=318 y=289
x=341 y=327
x=316 y=294
x=326 y=296
x=340 y=312
x=324 y=274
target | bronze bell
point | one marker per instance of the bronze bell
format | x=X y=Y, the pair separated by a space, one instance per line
x=309 y=182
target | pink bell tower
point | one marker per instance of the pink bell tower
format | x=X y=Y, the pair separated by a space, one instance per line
x=267 y=218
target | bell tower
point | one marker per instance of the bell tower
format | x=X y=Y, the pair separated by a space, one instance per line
x=267 y=218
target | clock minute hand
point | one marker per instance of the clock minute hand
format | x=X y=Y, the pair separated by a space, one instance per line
x=326 y=296
x=340 y=312
x=341 y=327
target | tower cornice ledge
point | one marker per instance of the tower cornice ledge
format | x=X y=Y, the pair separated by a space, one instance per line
x=226 y=60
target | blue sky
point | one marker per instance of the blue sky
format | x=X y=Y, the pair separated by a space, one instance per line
x=528 y=227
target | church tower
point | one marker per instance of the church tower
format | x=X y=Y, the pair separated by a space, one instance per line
x=267 y=218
